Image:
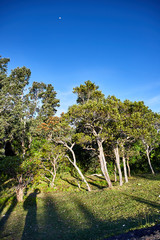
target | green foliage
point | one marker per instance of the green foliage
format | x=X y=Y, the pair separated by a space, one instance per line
x=88 y=91
x=10 y=166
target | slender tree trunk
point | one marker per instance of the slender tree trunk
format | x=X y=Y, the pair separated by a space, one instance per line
x=23 y=147
x=53 y=179
x=30 y=141
x=149 y=161
x=103 y=163
x=77 y=168
x=23 y=139
x=124 y=165
x=125 y=169
x=54 y=174
x=116 y=152
x=129 y=170
x=115 y=173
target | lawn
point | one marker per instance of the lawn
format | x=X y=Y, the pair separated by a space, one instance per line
x=78 y=214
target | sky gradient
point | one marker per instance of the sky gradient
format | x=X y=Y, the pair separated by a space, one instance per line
x=113 y=43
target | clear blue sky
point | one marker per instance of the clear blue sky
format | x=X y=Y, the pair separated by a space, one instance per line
x=114 y=43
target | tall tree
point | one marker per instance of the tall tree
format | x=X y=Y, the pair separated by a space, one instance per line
x=49 y=102
x=91 y=119
x=3 y=78
x=144 y=127
x=87 y=91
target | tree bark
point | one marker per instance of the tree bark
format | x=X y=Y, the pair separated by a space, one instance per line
x=103 y=163
x=52 y=182
x=77 y=168
x=54 y=174
x=116 y=152
x=115 y=173
x=149 y=161
x=124 y=165
x=129 y=170
x=19 y=193
x=125 y=169
x=20 y=190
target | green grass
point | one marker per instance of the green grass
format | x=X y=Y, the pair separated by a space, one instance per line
x=78 y=214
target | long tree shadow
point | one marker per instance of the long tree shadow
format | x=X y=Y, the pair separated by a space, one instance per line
x=70 y=218
x=142 y=200
x=30 y=230
x=60 y=224
x=5 y=203
x=8 y=213
x=73 y=182
x=155 y=177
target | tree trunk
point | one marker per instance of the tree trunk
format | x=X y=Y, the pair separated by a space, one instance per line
x=20 y=190
x=129 y=170
x=19 y=193
x=52 y=182
x=149 y=161
x=125 y=169
x=30 y=141
x=115 y=173
x=124 y=165
x=23 y=147
x=82 y=176
x=116 y=152
x=54 y=175
x=103 y=163
x=77 y=168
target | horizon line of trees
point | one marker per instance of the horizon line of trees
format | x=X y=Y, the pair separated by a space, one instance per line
x=96 y=134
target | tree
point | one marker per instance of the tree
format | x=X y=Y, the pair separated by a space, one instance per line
x=3 y=78
x=48 y=158
x=91 y=119
x=144 y=124
x=60 y=132
x=49 y=102
x=14 y=104
x=88 y=91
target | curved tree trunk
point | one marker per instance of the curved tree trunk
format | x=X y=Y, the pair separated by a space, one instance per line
x=77 y=168
x=115 y=173
x=116 y=152
x=129 y=170
x=103 y=163
x=149 y=161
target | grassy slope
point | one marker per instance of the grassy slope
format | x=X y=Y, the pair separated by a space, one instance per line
x=83 y=215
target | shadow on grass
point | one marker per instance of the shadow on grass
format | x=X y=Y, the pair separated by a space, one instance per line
x=8 y=213
x=155 y=177
x=144 y=201
x=30 y=230
x=65 y=225
x=92 y=182
x=71 y=219
x=5 y=203
x=61 y=224
x=72 y=182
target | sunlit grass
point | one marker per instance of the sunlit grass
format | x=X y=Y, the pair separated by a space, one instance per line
x=78 y=214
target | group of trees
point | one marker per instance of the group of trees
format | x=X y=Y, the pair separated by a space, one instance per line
x=97 y=131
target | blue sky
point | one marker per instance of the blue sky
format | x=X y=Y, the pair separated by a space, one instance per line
x=113 y=43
